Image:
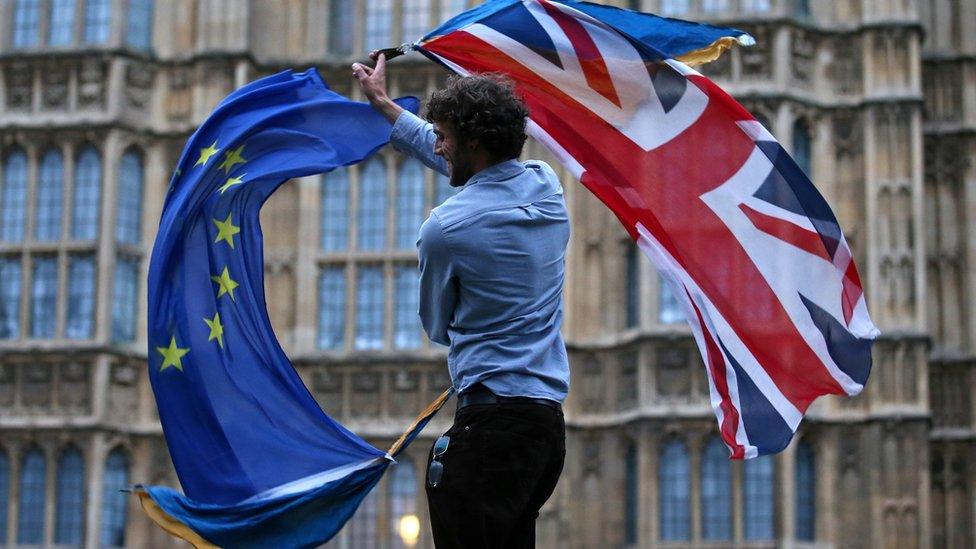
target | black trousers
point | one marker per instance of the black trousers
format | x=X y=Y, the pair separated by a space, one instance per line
x=501 y=465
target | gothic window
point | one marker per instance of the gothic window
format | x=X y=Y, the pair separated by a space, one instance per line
x=114 y=500
x=27 y=23
x=379 y=15
x=369 y=308
x=125 y=298
x=70 y=507
x=335 y=210
x=33 y=481
x=801 y=146
x=362 y=526
x=81 y=297
x=444 y=189
x=87 y=195
x=4 y=492
x=407 y=298
x=138 y=31
x=669 y=310
x=712 y=6
x=49 y=191
x=631 y=485
x=675 y=7
x=129 y=201
x=341 y=26
x=98 y=21
x=806 y=492
x=632 y=286
x=415 y=19
x=13 y=199
x=45 y=296
x=758 y=498
x=60 y=30
x=372 y=206
x=674 y=484
x=403 y=504
x=716 y=492
x=9 y=300
x=410 y=203
x=332 y=307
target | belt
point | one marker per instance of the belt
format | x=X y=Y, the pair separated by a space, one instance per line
x=479 y=394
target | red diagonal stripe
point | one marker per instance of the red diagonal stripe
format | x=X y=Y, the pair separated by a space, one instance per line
x=806 y=240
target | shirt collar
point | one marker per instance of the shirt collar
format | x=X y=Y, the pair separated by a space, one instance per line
x=498 y=172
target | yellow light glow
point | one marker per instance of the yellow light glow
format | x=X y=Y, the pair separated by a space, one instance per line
x=409 y=529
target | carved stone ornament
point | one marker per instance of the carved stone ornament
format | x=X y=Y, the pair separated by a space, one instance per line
x=803 y=49
x=54 y=92
x=757 y=61
x=92 y=77
x=19 y=78
x=138 y=84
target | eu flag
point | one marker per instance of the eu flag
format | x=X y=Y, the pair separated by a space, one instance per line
x=260 y=463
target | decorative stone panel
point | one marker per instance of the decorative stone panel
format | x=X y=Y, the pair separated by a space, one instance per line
x=74 y=388
x=92 y=82
x=672 y=372
x=138 y=84
x=54 y=92
x=36 y=386
x=8 y=386
x=20 y=86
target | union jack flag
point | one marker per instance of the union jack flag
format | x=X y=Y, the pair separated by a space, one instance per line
x=752 y=249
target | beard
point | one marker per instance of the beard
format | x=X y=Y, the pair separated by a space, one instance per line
x=461 y=171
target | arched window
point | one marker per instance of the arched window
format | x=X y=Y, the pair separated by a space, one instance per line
x=414 y=20
x=759 y=508
x=444 y=190
x=632 y=286
x=372 y=206
x=33 y=487
x=114 y=501
x=27 y=23
x=801 y=147
x=128 y=226
x=50 y=187
x=10 y=272
x=44 y=296
x=138 y=31
x=631 y=485
x=361 y=527
x=341 y=20
x=87 y=195
x=98 y=21
x=379 y=15
x=4 y=492
x=806 y=492
x=60 y=31
x=13 y=199
x=407 y=298
x=674 y=495
x=70 y=516
x=335 y=210
x=403 y=505
x=369 y=308
x=81 y=297
x=716 y=492
x=332 y=307
x=125 y=297
x=410 y=203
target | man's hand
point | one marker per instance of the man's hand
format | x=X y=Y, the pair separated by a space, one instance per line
x=373 y=83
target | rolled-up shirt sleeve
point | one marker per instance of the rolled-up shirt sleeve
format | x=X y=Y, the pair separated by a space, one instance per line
x=414 y=137
x=438 y=282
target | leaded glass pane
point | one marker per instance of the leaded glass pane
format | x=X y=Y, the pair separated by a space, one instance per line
x=675 y=486
x=10 y=273
x=27 y=23
x=50 y=187
x=369 y=308
x=332 y=308
x=45 y=297
x=129 y=204
x=403 y=501
x=98 y=21
x=124 y=299
x=341 y=20
x=801 y=147
x=631 y=485
x=756 y=5
x=70 y=515
x=669 y=310
x=87 y=195
x=759 y=514
x=410 y=203
x=81 y=297
x=138 y=32
x=33 y=482
x=715 y=5
x=4 y=492
x=716 y=492
x=114 y=500
x=13 y=200
x=632 y=286
x=361 y=527
x=379 y=15
x=450 y=8
x=806 y=492
x=335 y=210
x=407 y=299
x=60 y=31
x=675 y=7
x=372 y=206
x=415 y=13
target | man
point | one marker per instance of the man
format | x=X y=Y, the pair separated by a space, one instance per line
x=492 y=259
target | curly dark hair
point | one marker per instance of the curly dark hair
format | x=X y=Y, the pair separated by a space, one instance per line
x=483 y=107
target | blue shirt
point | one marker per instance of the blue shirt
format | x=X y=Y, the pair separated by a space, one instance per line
x=492 y=263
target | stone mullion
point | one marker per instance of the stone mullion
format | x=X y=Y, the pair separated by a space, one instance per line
x=695 y=445
x=918 y=213
x=786 y=489
x=49 y=451
x=306 y=267
x=94 y=483
x=110 y=156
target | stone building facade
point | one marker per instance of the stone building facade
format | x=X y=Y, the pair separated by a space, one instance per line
x=875 y=98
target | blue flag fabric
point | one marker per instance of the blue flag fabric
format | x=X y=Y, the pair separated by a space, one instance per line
x=254 y=452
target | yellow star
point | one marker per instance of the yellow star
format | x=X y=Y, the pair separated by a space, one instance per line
x=231 y=158
x=206 y=153
x=226 y=284
x=172 y=355
x=216 y=329
x=226 y=230
x=231 y=182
